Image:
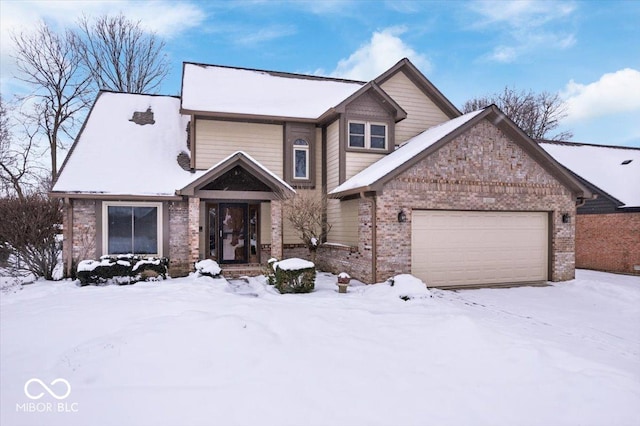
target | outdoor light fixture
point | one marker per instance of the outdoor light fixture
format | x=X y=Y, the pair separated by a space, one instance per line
x=402 y=216
x=566 y=218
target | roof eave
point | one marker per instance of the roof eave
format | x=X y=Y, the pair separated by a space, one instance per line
x=112 y=196
x=246 y=117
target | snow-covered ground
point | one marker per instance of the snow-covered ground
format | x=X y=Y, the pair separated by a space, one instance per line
x=203 y=351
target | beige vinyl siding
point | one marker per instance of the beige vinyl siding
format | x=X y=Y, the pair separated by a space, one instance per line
x=358 y=161
x=216 y=140
x=422 y=113
x=333 y=155
x=343 y=217
x=265 y=224
x=289 y=235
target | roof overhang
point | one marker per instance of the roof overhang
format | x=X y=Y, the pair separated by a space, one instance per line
x=280 y=189
x=110 y=196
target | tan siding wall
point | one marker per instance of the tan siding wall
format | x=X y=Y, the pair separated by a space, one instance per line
x=422 y=113
x=343 y=217
x=333 y=155
x=216 y=140
x=358 y=161
x=265 y=224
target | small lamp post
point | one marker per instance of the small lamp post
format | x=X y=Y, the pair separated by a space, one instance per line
x=343 y=282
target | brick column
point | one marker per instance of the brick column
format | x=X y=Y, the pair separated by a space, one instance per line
x=276 y=229
x=194 y=230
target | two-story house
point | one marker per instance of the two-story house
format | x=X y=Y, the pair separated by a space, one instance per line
x=414 y=186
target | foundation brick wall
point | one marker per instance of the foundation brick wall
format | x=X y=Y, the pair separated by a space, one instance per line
x=179 y=253
x=356 y=261
x=608 y=242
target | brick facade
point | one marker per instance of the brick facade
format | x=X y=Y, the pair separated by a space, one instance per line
x=179 y=253
x=608 y=242
x=276 y=229
x=194 y=230
x=84 y=230
x=482 y=169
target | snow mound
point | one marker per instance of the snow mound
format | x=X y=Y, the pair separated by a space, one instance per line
x=403 y=286
x=293 y=264
x=208 y=267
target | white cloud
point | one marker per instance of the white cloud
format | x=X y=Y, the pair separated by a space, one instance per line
x=524 y=26
x=613 y=93
x=376 y=56
x=248 y=38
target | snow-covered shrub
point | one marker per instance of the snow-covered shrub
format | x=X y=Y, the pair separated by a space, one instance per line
x=124 y=269
x=294 y=275
x=29 y=234
x=208 y=268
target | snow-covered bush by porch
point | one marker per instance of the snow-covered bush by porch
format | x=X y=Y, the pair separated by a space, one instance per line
x=293 y=275
x=122 y=269
x=209 y=268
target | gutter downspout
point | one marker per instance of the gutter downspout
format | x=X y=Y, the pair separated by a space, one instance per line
x=374 y=243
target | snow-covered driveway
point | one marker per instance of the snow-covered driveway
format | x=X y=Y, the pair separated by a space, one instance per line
x=201 y=351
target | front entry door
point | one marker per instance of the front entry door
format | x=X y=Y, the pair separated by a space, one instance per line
x=233 y=233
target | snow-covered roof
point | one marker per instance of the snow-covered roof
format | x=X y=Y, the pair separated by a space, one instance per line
x=603 y=166
x=406 y=152
x=218 y=89
x=114 y=155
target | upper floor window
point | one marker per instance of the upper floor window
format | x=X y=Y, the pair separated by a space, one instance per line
x=367 y=135
x=300 y=159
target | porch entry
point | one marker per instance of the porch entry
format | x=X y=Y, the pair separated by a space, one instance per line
x=233 y=232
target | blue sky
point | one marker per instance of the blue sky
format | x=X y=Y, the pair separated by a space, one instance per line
x=587 y=51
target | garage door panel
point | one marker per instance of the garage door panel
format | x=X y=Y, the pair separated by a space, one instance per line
x=471 y=248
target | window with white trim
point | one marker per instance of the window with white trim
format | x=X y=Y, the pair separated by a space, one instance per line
x=132 y=227
x=301 y=159
x=367 y=135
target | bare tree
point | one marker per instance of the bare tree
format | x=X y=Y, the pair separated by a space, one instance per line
x=120 y=56
x=18 y=173
x=305 y=212
x=537 y=114
x=49 y=63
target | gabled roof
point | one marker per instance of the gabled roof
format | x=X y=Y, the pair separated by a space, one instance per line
x=423 y=83
x=225 y=90
x=374 y=177
x=386 y=101
x=603 y=166
x=112 y=155
x=239 y=158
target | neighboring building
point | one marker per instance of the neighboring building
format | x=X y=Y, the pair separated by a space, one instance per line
x=607 y=227
x=414 y=185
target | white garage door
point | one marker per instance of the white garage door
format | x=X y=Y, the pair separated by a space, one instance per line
x=459 y=248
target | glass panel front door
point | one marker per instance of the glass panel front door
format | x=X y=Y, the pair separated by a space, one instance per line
x=233 y=245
